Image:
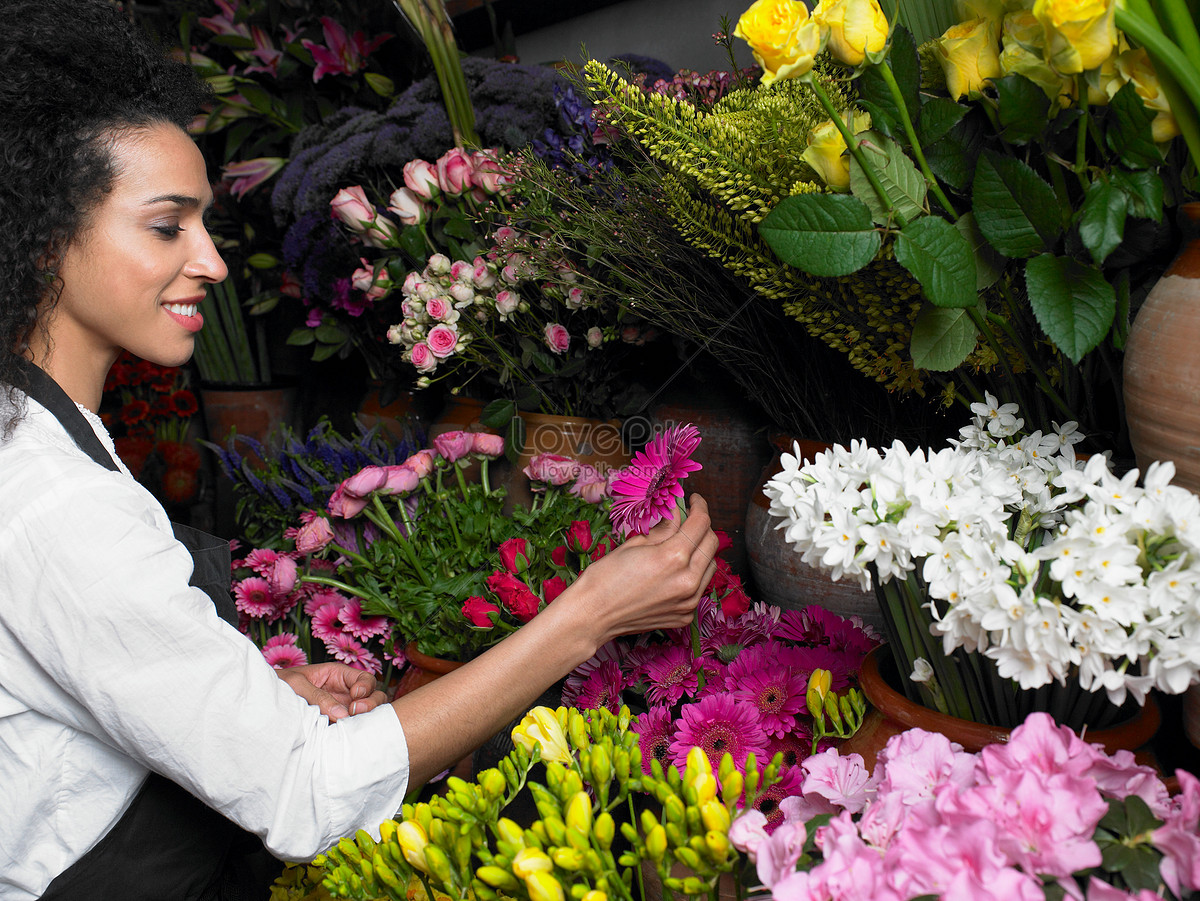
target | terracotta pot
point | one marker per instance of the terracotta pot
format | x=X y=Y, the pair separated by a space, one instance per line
x=252 y=411
x=1191 y=714
x=780 y=577
x=732 y=453
x=421 y=670
x=594 y=442
x=1162 y=367
x=892 y=713
x=392 y=417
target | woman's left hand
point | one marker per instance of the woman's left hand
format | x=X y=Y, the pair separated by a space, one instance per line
x=338 y=690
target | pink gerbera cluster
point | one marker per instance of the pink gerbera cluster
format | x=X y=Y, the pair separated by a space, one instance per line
x=648 y=490
x=1045 y=815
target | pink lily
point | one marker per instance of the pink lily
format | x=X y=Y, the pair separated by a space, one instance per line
x=224 y=23
x=246 y=175
x=345 y=54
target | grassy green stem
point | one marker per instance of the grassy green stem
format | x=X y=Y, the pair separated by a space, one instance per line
x=913 y=142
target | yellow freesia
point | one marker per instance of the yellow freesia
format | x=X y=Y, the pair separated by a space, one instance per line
x=544 y=887
x=541 y=729
x=826 y=150
x=1135 y=66
x=699 y=775
x=856 y=28
x=412 y=839
x=1080 y=34
x=969 y=56
x=783 y=37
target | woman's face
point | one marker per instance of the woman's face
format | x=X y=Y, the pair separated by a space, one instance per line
x=133 y=278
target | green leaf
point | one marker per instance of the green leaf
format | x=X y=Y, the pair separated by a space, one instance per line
x=459 y=226
x=942 y=338
x=1073 y=303
x=1143 y=869
x=1143 y=191
x=257 y=96
x=1022 y=108
x=380 y=84
x=301 y=337
x=901 y=181
x=939 y=257
x=988 y=264
x=262 y=261
x=1101 y=219
x=1140 y=818
x=821 y=234
x=412 y=242
x=497 y=414
x=1115 y=857
x=952 y=159
x=938 y=116
x=324 y=352
x=1016 y=209
x=1128 y=134
x=328 y=333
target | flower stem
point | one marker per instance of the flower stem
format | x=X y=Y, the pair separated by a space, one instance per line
x=1081 y=89
x=914 y=143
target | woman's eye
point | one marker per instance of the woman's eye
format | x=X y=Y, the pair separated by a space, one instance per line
x=169 y=231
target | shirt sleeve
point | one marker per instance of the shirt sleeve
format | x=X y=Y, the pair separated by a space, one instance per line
x=141 y=661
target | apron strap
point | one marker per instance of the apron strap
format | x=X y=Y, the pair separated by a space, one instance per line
x=50 y=395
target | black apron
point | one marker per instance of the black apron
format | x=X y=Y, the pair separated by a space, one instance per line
x=168 y=846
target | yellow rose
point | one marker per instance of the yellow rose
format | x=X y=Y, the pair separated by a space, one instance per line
x=541 y=729
x=1023 y=38
x=969 y=57
x=856 y=28
x=1080 y=34
x=826 y=150
x=1135 y=66
x=1104 y=80
x=783 y=37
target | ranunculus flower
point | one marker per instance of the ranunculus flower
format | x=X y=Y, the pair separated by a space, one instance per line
x=283 y=575
x=969 y=56
x=365 y=481
x=1080 y=34
x=314 y=536
x=553 y=469
x=478 y=612
x=401 y=479
x=442 y=340
x=454 y=170
x=558 y=339
x=487 y=444
x=422 y=357
x=452 y=446
x=514 y=555
x=579 y=535
x=408 y=207
x=421 y=178
x=783 y=37
x=856 y=28
x=344 y=505
x=553 y=587
x=422 y=462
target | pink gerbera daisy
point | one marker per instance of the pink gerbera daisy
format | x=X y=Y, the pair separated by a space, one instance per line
x=253 y=597
x=791 y=780
x=282 y=652
x=795 y=746
x=777 y=694
x=719 y=725
x=655 y=729
x=671 y=674
x=361 y=627
x=345 y=648
x=326 y=619
x=262 y=560
x=614 y=651
x=647 y=490
x=602 y=688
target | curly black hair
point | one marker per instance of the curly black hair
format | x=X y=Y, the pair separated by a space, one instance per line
x=73 y=75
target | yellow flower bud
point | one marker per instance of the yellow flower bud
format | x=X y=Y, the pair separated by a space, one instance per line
x=567 y=858
x=529 y=861
x=1080 y=34
x=544 y=887
x=579 y=812
x=826 y=150
x=509 y=831
x=605 y=829
x=856 y=28
x=595 y=895
x=820 y=681
x=656 y=843
x=783 y=37
x=969 y=56
x=717 y=844
x=438 y=864
x=1135 y=66
x=699 y=775
x=541 y=729
x=413 y=841
x=715 y=816
x=497 y=877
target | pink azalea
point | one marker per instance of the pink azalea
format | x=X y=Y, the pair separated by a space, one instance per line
x=647 y=490
x=843 y=781
x=345 y=54
x=748 y=831
x=777 y=856
x=914 y=763
x=720 y=726
x=344 y=647
x=777 y=695
x=282 y=651
x=1179 y=838
x=254 y=598
x=362 y=627
x=655 y=729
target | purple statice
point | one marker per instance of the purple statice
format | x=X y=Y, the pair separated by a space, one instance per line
x=574 y=146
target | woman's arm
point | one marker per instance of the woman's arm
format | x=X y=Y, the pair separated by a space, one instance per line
x=651 y=582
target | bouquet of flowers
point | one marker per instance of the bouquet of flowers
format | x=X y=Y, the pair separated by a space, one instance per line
x=148 y=409
x=1012 y=576
x=1044 y=816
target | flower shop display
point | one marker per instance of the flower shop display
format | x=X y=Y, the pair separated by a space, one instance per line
x=1012 y=576
x=148 y=409
x=1044 y=816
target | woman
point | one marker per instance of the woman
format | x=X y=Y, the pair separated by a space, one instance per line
x=140 y=734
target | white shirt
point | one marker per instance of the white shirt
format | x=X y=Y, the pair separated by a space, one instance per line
x=110 y=666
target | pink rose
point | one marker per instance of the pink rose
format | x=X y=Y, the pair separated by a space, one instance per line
x=401 y=479
x=422 y=463
x=558 y=339
x=460 y=271
x=365 y=481
x=376 y=285
x=553 y=469
x=505 y=234
x=463 y=294
x=478 y=612
x=411 y=283
x=482 y=274
x=438 y=264
x=452 y=446
x=595 y=336
x=421 y=178
x=350 y=206
x=314 y=536
x=422 y=357
x=553 y=587
x=442 y=339
x=514 y=555
x=487 y=444
x=454 y=170
x=408 y=207
x=438 y=308
x=507 y=302
x=489 y=174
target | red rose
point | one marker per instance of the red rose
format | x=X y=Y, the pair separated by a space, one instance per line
x=736 y=602
x=599 y=550
x=553 y=587
x=579 y=536
x=478 y=611
x=558 y=556
x=514 y=595
x=514 y=556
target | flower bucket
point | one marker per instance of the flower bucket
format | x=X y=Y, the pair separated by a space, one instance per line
x=421 y=670
x=893 y=713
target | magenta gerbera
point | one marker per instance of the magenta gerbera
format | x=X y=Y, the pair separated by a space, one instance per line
x=789 y=785
x=282 y=652
x=344 y=647
x=646 y=491
x=655 y=729
x=262 y=560
x=602 y=688
x=671 y=674
x=719 y=725
x=253 y=597
x=777 y=695
x=362 y=627
x=326 y=620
